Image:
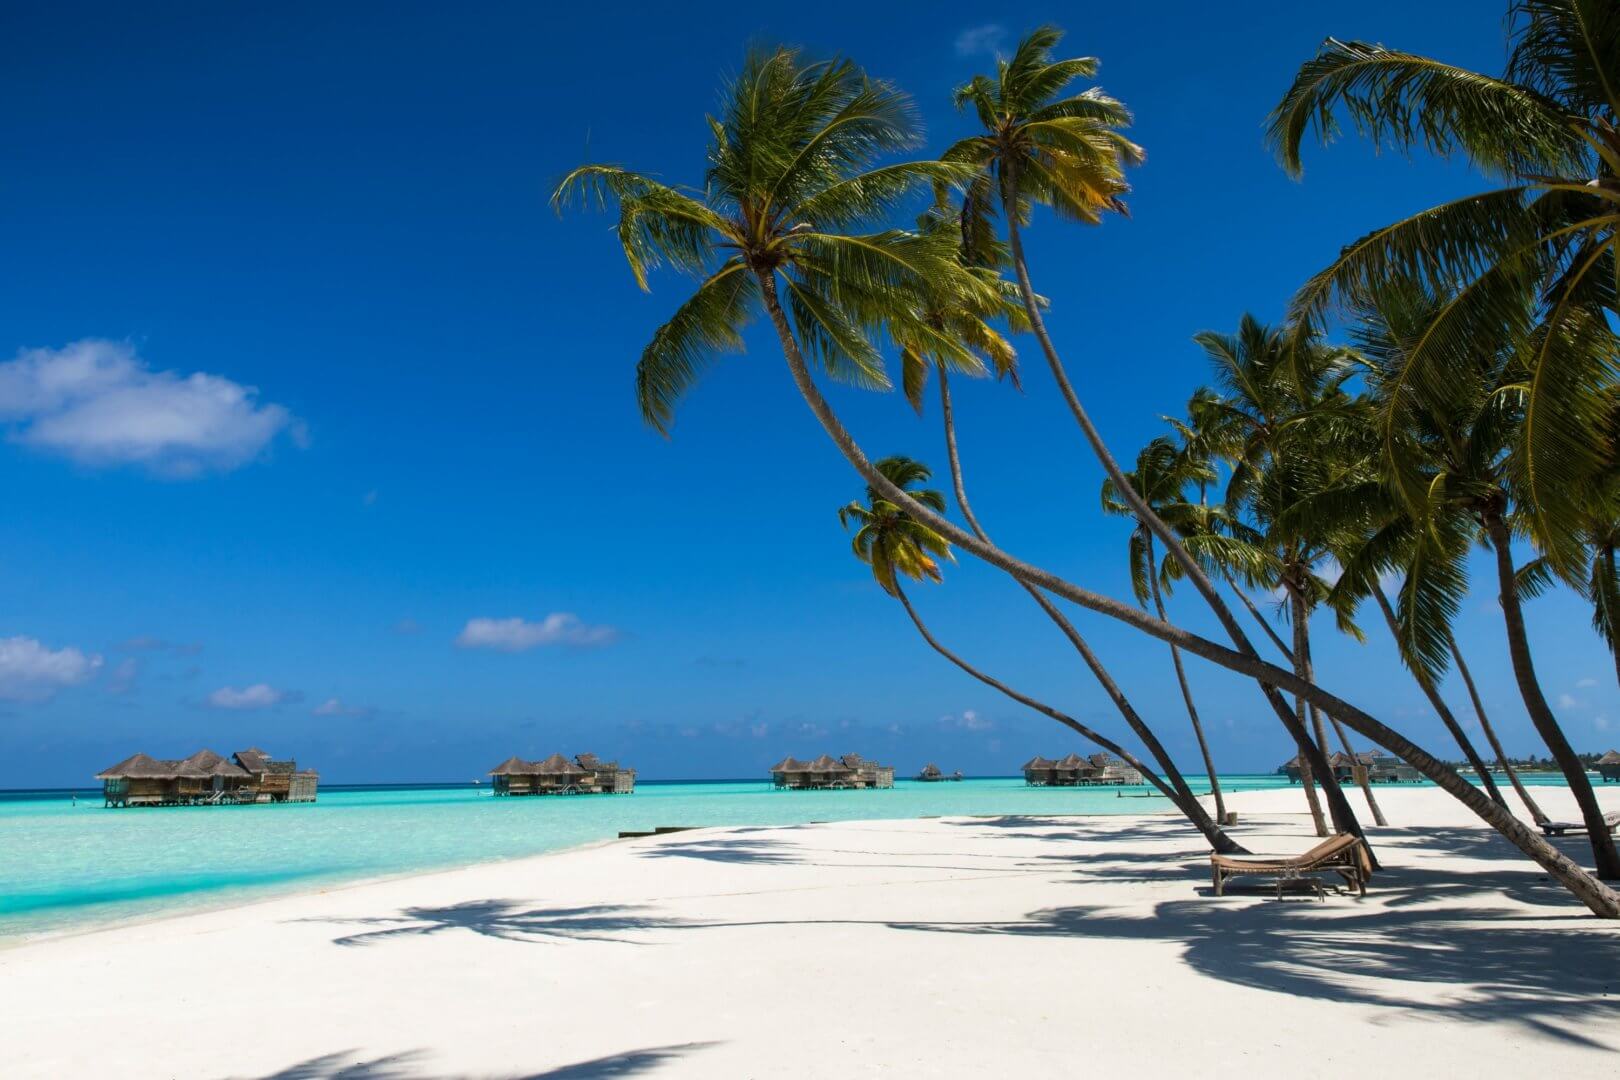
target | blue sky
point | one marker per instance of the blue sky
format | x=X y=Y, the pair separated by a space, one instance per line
x=308 y=397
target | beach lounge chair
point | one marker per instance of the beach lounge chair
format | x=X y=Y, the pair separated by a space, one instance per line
x=1342 y=854
x=1578 y=828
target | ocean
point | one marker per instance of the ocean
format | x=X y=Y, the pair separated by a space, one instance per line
x=65 y=867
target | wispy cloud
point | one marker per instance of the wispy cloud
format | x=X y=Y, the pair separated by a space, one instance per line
x=520 y=635
x=1585 y=684
x=1568 y=701
x=257 y=696
x=98 y=403
x=31 y=671
x=967 y=720
x=407 y=626
x=147 y=643
x=335 y=707
x=122 y=679
x=990 y=38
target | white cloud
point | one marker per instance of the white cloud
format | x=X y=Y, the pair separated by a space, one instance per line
x=1585 y=684
x=29 y=671
x=257 y=696
x=335 y=707
x=122 y=679
x=519 y=635
x=98 y=403
x=967 y=720
x=1568 y=701
x=989 y=38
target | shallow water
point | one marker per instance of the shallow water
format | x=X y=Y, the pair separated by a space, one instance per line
x=65 y=867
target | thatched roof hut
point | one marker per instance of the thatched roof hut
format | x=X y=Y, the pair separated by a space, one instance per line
x=848 y=771
x=1609 y=766
x=587 y=774
x=206 y=777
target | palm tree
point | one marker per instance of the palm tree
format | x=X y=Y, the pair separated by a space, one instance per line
x=1067 y=152
x=1292 y=436
x=1549 y=129
x=1161 y=476
x=1454 y=465
x=966 y=320
x=897 y=547
x=792 y=171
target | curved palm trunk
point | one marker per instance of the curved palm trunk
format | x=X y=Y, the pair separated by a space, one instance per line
x=1524 y=670
x=1265 y=624
x=1344 y=818
x=1106 y=680
x=1307 y=669
x=1441 y=709
x=1605 y=599
x=1190 y=807
x=1307 y=774
x=1598 y=897
x=1490 y=735
x=1186 y=692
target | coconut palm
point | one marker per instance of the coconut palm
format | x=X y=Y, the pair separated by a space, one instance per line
x=793 y=176
x=1043 y=145
x=949 y=316
x=1456 y=469
x=1549 y=129
x=1295 y=442
x=897 y=547
x=1161 y=476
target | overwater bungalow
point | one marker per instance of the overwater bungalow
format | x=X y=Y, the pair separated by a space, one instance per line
x=1076 y=771
x=1608 y=766
x=1381 y=768
x=206 y=779
x=931 y=775
x=849 y=772
x=556 y=775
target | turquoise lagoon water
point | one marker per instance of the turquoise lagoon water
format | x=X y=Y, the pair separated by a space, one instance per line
x=66 y=867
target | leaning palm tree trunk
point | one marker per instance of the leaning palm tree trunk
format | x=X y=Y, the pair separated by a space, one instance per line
x=1188 y=806
x=1186 y=691
x=1110 y=687
x=1490 y=735
x=1307 y=668
x=1598 y=897
x=1441 y=709
x=1307 y=775
x=1344 y=740
x=1524 y=670
x=1344 y=818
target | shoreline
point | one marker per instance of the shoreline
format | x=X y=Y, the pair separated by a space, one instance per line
x=903 y=943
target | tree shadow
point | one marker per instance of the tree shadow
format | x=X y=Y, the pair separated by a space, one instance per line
x=724 y=850
x=1556 y=981
x=407 y=1066
x=507 y=920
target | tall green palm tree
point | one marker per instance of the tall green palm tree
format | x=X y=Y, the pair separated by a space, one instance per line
x=1162 y=474
x=897 y=548
x=1043 y=145
x=1549 y=129
x=1292 y=436
x=949 y=315
x=810 y=135
x=1454 y=467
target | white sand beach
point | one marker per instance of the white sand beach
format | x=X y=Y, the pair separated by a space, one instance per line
x=986 y=947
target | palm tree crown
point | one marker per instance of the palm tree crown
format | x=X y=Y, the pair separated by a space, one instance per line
x=1040 y=146
x=793 y=168
x=891 y=541
x=1549 y=127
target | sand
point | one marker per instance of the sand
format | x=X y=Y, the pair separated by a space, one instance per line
x=1015 y=946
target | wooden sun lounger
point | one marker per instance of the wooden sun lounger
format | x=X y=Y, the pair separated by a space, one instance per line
x=1578 y=828
x=1342 y=854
